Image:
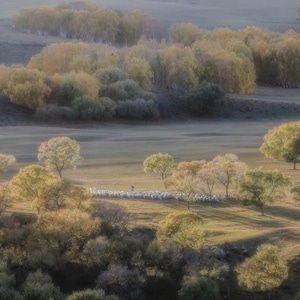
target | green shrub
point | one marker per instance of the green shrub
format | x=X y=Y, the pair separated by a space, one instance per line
x=198 y=289
x=53 y=112
x=139 y=109
x=205 y=100
x=86 y=108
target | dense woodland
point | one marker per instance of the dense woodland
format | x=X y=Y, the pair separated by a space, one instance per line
x=126 y=72
x=72 y=247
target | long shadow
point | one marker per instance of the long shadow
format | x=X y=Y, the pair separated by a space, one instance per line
x=286 y=212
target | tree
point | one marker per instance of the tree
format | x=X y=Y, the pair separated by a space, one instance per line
x=39 y=285
x=264 y=271
x=26 y=87
x=184 y=180
x=283 y=141
x=59 y=194
x=139 y=109
x=229 y=170
x=159 y=163
x=59 y=153
x=139 y=70
x=28 y=184
x=184 y=228
x=198 y=289
x=6 y=161
x=64 y=232
x=205 y=100
x=260 y=187
x=207 y=177
x=184 y=33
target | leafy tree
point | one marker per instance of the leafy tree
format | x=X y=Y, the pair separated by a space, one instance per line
x=87 y=108
x=139 y=109
x=198 y=289
x=122 y=90
x=109 y=76
x=283 y=141
x=39 y=285
x=264 y=271
x=208 y=177
x=26 y=87
x=6 y=161
x=27 y=185
x=64 y=232
x=229 y=170
x=184 y=33
x=159 y=163
x=184 y=180
x=260 y=187
x=121 y=281
x=59 y=194
x=184 y=228
x=54 y=113
x=139 y=70
x=205 y=100
x=59 y=153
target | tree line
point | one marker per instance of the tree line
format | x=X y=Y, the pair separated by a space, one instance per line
x=84 y=21
x=187 y=56
x=149 y=79
x=75 y=248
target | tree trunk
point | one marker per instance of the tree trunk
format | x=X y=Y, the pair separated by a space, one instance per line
x=262 y=210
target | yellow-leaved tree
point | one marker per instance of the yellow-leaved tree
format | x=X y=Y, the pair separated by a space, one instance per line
x=59 y=153
x=283 y=141
x=26 y=87
x=264 y=271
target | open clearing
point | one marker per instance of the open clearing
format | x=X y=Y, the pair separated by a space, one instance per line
x=114 y=154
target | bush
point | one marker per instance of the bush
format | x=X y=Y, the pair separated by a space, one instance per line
x=198 y=289
x=53 y=112
x=109 y=76
x=121 y=281
x=122 y=90
x=205 y=100
x=39 y=285
x=139 y=109
x=86 y=108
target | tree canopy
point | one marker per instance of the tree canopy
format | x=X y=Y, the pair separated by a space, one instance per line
x=159 y=163
x=59 y=153
x=264 y=271
x=283 y=141
x=259 y=187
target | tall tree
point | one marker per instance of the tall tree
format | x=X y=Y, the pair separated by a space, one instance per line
x=59 y=153
x=260 y=187
x=283 y=141
x=184 y=180
x=230 y=170
x=264 y=271
x=27 y=185
x=159 y=163
x=26 y=87
x=184 y=228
